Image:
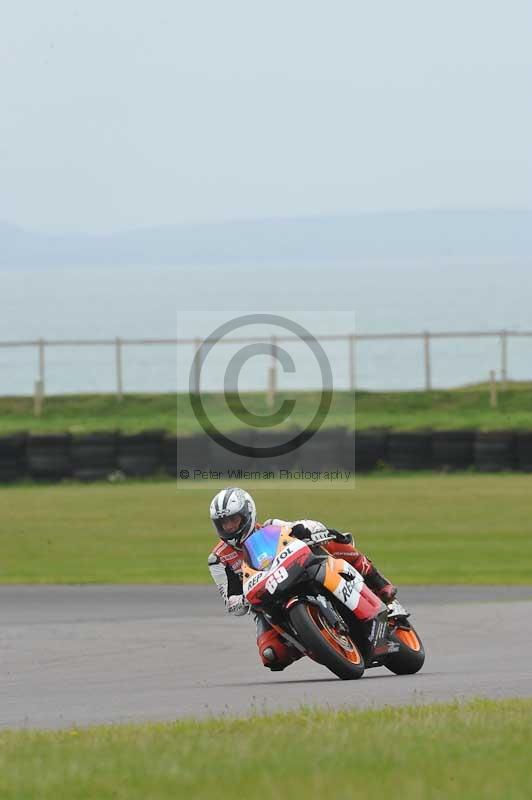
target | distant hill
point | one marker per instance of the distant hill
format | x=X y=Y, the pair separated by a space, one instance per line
x=412 y=234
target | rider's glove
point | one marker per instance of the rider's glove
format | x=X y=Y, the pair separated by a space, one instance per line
x=237 y=605
x=341 y=538
x=309 y=529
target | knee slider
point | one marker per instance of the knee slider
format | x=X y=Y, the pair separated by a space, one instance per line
x=269 y=655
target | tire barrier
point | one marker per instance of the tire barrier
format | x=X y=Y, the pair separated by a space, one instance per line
x=48 y=457
x=523 y=451
x=410 y=451
x=495 y=451
x=12 y=457
x=170 y=459
x=371 y=450
x=93 y=455
x=96 y=456
x=190 y=453
x=453 y=450
x=275 y=462
x=226 y=463
x=140 y=454
x=329 y=449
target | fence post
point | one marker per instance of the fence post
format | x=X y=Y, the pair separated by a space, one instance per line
x=352 y=362
x=272 y=375
x=42 y=367
x=426 y=342
x=37 y=398
x=197 y=365
x=118 y=362
x=493 y=389
x=504 y=359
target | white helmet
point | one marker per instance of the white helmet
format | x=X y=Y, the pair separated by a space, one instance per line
x=228 y=503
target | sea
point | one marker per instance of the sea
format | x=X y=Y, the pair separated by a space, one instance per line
x=364 y=297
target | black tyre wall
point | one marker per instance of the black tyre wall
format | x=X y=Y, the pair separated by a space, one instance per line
x=329 y=449
x=273 y=439
x=371 y=449
x=186 y=454
x=410 y=451
x=93 y=455
x=523 y=451
x=494 y=451
x=227 y=463
x=140 y=455
x=453 y=450
x=48 y=457
x=12 y=457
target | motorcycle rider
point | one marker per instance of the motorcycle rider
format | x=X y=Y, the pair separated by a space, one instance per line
x=234 y=517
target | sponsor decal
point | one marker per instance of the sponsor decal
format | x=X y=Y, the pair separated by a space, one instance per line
x=275 y=579
x=347 y=590
x=320 y=537
x=265 y=561
x=249 y=585
x=292 y=548
x=276 y=567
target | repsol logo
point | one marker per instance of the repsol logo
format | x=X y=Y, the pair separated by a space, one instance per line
x=347 y=590
x=253 y=581
x=281 y=557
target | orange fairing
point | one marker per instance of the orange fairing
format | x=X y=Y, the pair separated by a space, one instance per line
x=409 y=638
x=333 y=578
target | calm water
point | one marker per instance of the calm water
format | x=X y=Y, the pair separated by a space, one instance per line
x=375 y=297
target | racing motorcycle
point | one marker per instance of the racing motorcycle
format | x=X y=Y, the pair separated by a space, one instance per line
x=320 y=605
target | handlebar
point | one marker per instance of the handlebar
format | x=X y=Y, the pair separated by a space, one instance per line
x=311 y=541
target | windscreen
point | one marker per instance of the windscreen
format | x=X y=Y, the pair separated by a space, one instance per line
x=260 y=548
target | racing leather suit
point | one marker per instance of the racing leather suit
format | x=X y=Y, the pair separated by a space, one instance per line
x=225 y=565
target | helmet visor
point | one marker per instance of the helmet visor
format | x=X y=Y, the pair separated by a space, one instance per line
x=230 y=527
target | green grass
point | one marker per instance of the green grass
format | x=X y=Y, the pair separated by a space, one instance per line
x=479 y=750
x=445 y=409
x=419 y=528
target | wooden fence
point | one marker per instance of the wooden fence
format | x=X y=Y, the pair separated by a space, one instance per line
x=353 y=343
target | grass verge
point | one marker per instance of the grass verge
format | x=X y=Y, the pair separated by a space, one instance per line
x=419 y=528
x=442 y=409
x=480 y=749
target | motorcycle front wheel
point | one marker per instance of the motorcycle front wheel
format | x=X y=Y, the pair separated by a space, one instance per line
x=325 y=643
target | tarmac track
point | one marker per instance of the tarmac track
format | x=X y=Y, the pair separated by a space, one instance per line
x=81 y=655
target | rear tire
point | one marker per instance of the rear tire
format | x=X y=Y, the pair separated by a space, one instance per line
x=336 y=651
x=411 y=654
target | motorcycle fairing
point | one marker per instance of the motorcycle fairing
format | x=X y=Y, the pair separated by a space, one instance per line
x=348 y=585
x=272 y=545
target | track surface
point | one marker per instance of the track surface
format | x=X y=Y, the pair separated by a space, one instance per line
x=73 y=655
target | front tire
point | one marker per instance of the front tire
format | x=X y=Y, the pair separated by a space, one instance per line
x=334 y=649
x=411 y=654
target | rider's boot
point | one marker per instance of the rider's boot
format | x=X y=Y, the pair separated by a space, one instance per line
x=380 y=585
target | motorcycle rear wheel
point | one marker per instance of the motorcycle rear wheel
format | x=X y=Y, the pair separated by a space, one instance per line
x=411 y=654
x=335 y=650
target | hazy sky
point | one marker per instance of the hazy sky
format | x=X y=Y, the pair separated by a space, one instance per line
x=120 y=113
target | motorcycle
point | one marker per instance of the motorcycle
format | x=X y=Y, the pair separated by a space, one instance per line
x=321 y=606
